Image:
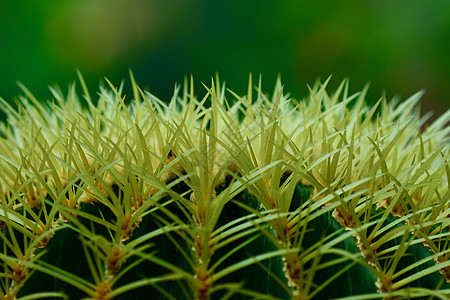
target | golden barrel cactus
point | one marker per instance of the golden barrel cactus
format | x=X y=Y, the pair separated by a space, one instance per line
x=223 y=196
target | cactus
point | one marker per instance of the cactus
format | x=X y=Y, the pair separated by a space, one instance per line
x=223 y=197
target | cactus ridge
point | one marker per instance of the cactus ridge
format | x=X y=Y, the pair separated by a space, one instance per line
x=223 y=197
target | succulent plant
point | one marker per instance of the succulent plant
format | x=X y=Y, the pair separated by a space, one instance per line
x=223 y=197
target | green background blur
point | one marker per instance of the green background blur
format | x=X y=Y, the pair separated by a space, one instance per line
x=400 y=47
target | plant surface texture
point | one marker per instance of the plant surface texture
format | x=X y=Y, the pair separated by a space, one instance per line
x=223 y=196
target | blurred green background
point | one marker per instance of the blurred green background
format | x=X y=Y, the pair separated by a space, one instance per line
x=400 y=46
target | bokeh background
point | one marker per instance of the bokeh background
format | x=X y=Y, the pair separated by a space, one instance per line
x=400 y=46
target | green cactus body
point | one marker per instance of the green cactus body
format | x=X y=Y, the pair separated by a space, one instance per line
x=223 y=197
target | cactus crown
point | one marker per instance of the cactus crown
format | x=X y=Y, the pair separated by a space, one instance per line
x=223 y=196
